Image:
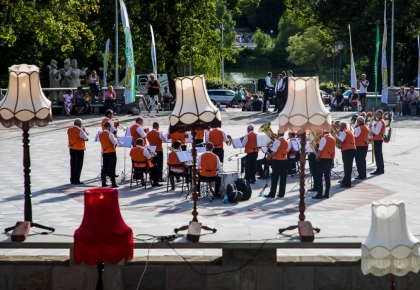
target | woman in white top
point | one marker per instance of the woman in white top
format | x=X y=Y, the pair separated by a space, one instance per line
x=93 y=81
x=68 y=101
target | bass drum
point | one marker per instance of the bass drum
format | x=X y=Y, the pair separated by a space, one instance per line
x=227 y=178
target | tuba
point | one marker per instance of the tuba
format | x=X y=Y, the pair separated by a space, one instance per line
x=314 y=143
x=265 y=128
x=335 y=134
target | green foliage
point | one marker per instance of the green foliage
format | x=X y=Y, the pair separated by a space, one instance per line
x=326 y=86
x=308 y=49
x=263 y=41
x=216 y=83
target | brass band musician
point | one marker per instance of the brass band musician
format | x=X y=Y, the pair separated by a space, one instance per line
x=348 y=151
x=173 y=160
x=251 y=150
x=279 y=164
x=108 y=119
x=156 y=138
x=378 y=131
x=77 y=137
x=208 y=165
x=325 y=157
x=361 y=135
x=312 y=162
x=181 y=137
x=109 y=155
x=217 y=137
x=137 y=131
x=141 y=155
x=294 y=152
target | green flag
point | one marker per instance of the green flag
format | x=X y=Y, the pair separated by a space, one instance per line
x=376 y=64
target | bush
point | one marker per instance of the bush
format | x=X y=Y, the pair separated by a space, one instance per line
x=216 y=83
x=326 y=86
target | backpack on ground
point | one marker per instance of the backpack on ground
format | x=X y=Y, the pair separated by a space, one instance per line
x=233 y=194
x=261 y=85
x=243 y=186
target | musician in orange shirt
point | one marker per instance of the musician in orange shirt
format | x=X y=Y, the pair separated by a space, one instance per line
x=348 y=151
x=294 y=153
x=181 y=137
x=250 y=144
x=141 y=154
x=378 y=138
x=217 y=137
x=208 y=165
x=109 y=155
x=279 y=154
x=173 y=160
x=156 y=138
x=325 y=157
x=77 y=137
x=137 y=131
x=199 y=137
x=361 y=135
x=108 y=119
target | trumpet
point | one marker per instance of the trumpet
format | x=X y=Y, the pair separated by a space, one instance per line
x=229 y=142
x=117 y=125
x=84 y=129
x=146 y=130
x=151 y=152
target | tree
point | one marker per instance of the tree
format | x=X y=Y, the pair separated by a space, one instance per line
x=263 y=41
x=308 y=49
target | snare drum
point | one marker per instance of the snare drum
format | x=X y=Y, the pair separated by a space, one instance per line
x=227 y=178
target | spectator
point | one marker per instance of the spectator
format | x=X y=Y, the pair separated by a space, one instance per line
x=412 y=98
x=88 y=104
x=340 y=101
x=400 y=101
x=254 y=87
x=248 y=105
x=1 y=95
x=111 y=99
x=68 y=101
x=353 y=99
x=220 y=108
x=167 y=99
x=257 y=104
x=333 y=101
x=79 y=100
x=267 y=87
x=93 y=81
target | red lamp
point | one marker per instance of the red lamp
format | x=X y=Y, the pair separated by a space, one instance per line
x=103 y=235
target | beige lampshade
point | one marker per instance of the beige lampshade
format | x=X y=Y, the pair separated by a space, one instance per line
x=304 y=110
x=390 y=247
x=193 y=106
x=24 y=104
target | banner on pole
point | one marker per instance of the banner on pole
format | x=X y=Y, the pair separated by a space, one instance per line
x=418 y=62
x=153 y=52
x=353 y=77
x=376 y=64
x=384 y=97
x=130 y=88
x=106 y=62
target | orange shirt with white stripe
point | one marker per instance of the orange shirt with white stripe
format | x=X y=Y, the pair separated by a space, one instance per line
x=361 y=135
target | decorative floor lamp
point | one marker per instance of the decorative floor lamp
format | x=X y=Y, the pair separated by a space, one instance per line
x=24 y=106
x=304 y=112
x=390 y=247
x=193 y=110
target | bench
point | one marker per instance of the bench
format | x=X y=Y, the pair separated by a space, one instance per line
x=96 y=108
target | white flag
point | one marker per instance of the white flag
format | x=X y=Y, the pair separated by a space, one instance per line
x=153 y=52
x=418 y=65
x=353 y=77
x=106 y=62
x=384 y=98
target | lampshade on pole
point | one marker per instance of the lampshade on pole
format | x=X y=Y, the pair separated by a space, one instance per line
x=193 y=106
x=390 y=247
x=24 y=105
x=304 y=110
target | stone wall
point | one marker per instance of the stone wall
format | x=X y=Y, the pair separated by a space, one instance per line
x=299 y=273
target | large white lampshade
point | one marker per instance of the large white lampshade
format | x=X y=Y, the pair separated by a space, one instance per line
x=193 y=106
x=24 y=105
x=304 y=110
x=390 y=247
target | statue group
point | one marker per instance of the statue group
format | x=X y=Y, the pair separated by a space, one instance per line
x=67 y=77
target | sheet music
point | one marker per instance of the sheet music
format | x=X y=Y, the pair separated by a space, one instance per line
x=237 y=143
x=126 y=141
x=152 y=148
x=97 y=136
x=184 y=156
x=190 y=138
x=168 y=140
x=262 y=140
x=201 y=149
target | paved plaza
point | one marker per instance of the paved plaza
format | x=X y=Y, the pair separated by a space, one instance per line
x=344 y=217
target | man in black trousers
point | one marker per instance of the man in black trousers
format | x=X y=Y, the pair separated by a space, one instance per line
x=267 y=87
x=77 y=137
x=109 y=155
x=378 y=138
x=361 y=135
x=348 y=151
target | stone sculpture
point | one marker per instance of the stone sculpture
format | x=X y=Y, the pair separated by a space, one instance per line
x=74 y=74
x=55 y=78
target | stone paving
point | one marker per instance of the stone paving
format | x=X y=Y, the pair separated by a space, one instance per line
x=59 y=204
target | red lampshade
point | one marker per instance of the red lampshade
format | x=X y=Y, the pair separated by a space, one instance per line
x=103 y=235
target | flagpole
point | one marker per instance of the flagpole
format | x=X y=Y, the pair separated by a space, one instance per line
x=117 y=82
x=391 y=85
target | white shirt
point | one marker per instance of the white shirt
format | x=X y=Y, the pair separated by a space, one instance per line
x=161 y=136
x=82 y=133
x=267 y=82
x=412 y=96
x=377 y=128
x=218 y=166
x=145 y=152
x=245 y=141
x=279 y=85
x=112 y=124
x=357 y=131
x=323 y=142
x=225 y=139
x=276 y=145
x=112 y=138
x=293 y=143
x=140 y=131
x=342 y=136
x=308 y=147
x=362 y=89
